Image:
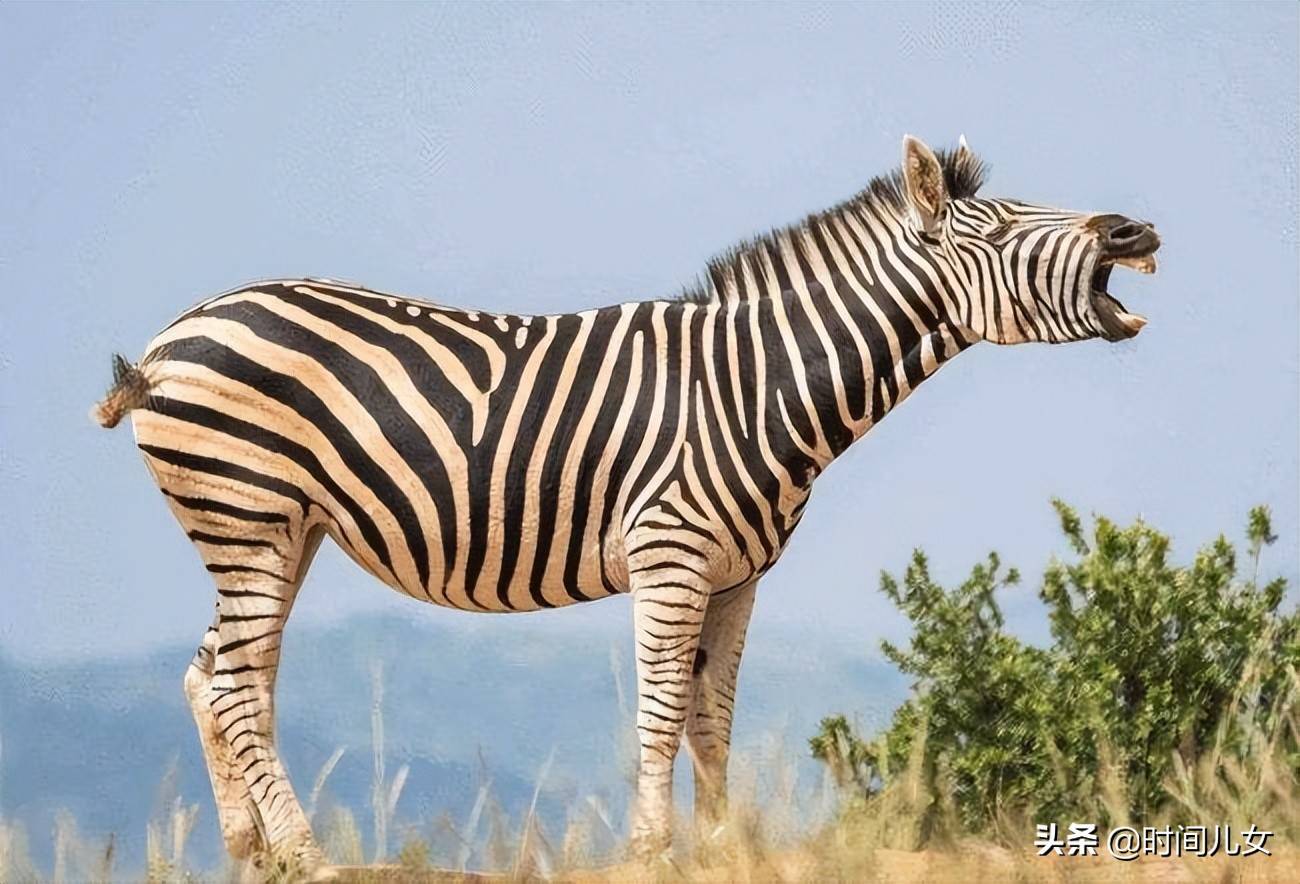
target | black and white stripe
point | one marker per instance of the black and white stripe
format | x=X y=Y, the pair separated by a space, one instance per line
x=503 y=463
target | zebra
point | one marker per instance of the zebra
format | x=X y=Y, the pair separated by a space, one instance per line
x=664 y=449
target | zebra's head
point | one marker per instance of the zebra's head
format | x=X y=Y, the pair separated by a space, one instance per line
x=1028 y=273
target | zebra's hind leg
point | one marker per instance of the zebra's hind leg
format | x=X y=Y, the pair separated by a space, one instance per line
x=708 y=723
x=236 y=811
x=254 y=597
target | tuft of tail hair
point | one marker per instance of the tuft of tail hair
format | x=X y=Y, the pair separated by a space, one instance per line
x=130 y=390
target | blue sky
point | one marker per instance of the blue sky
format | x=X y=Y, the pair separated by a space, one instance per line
x=541 y=158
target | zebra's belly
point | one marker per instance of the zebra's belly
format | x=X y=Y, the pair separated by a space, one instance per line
x=526 y=572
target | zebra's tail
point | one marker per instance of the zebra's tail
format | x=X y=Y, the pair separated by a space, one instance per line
x=130 y=390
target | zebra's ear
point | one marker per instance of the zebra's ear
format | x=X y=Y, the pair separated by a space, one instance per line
x=923 y=184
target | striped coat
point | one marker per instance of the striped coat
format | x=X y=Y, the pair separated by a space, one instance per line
x=503 y=463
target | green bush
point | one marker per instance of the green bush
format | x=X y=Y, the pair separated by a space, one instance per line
x=1155 y=670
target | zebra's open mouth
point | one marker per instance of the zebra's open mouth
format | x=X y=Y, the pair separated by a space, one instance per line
x=1116 y=321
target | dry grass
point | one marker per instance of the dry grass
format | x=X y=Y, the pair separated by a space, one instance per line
x=878 y=840
x=778 y=830
x=756 y=844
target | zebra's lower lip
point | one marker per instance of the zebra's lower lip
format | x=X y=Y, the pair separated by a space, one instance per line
x=1117 y=323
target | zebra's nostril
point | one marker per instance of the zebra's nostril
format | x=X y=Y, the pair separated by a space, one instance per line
x=1123 y=236
x=1117 y=228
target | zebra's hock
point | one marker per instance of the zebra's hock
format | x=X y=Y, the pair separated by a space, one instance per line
x=130 y=390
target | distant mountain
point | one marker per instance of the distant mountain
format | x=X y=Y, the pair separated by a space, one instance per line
x=492 y=701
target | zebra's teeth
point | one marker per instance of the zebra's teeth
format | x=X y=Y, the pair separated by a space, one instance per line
x=1144 y=264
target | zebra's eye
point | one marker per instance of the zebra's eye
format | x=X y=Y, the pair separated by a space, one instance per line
x=929 y=239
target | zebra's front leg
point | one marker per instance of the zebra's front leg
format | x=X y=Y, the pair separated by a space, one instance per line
x=667 y=612
x=708 y=724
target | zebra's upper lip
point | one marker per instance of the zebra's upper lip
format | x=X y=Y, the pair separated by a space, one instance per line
x=1118 y=323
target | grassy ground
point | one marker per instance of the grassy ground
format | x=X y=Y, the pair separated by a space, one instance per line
x=786 y=838
x=972 y=862
x=778 y=830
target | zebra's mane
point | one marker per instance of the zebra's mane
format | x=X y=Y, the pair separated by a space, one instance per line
x=963 y=174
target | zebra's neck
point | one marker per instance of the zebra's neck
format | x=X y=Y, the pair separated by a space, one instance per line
x=845 y=318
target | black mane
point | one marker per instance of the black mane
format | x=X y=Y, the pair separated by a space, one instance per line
x=963 y=174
